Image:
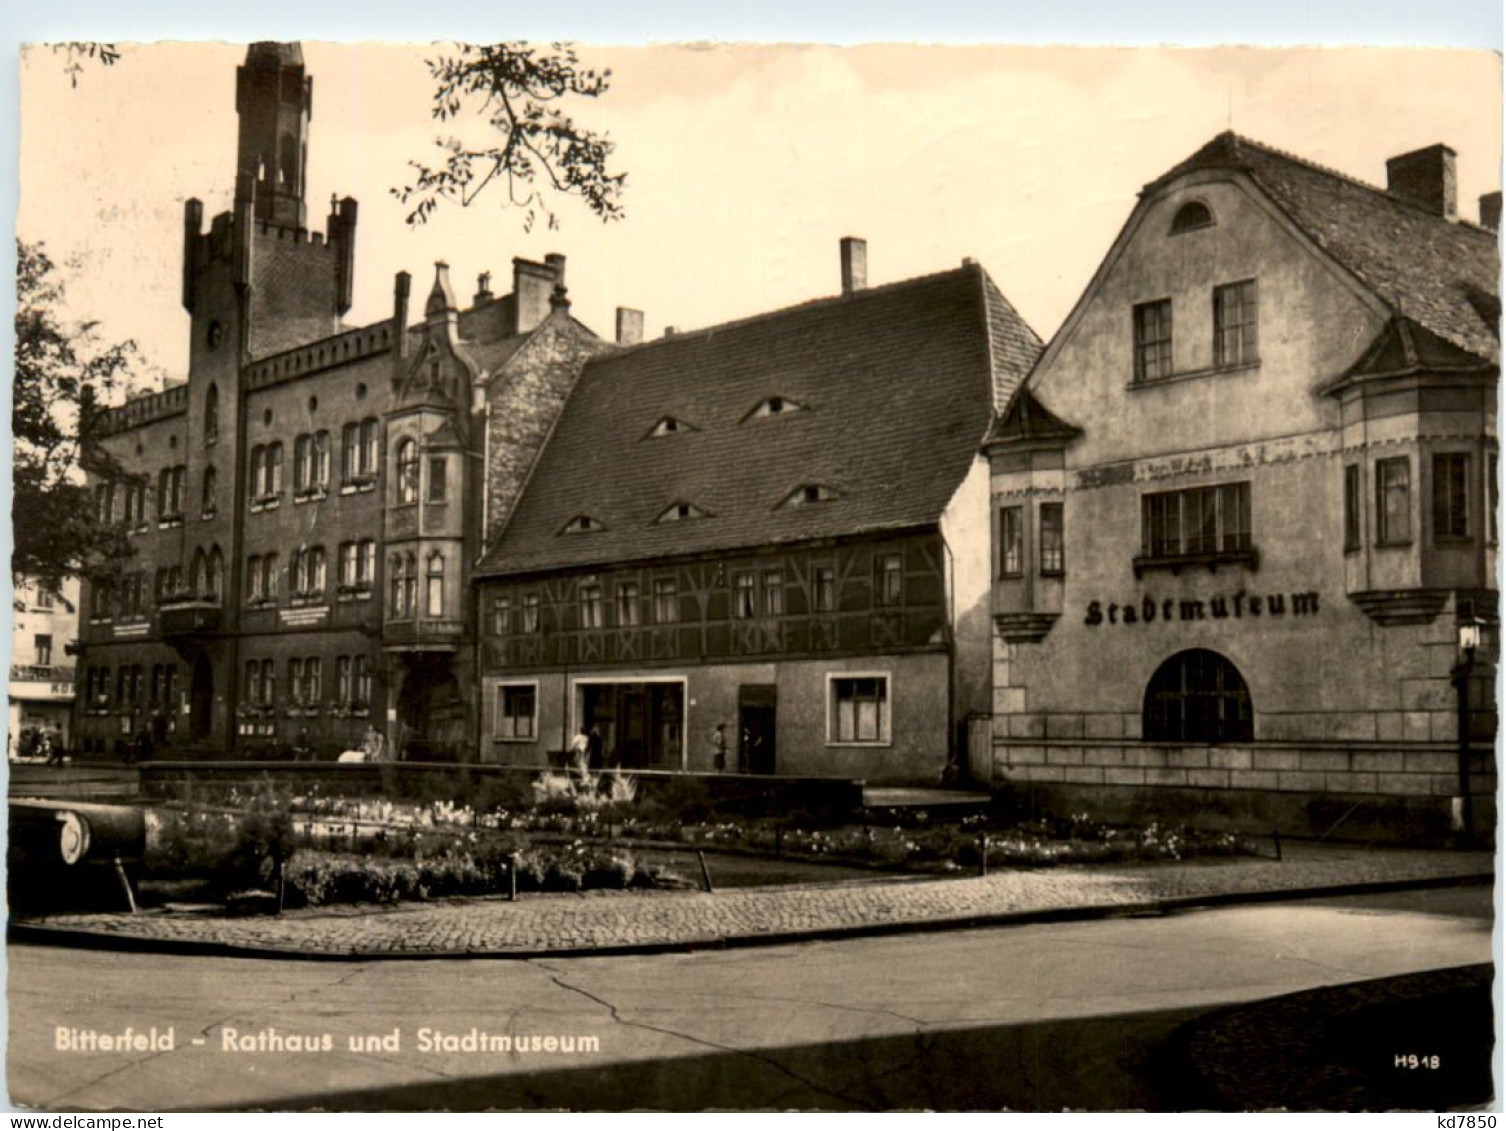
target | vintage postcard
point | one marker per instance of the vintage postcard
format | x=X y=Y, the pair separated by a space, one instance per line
x=742 y=577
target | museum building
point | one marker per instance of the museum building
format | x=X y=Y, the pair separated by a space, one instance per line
x=776 y=526
x=1244 y=511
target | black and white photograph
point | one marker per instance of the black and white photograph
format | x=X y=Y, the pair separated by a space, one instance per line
x=747 y=577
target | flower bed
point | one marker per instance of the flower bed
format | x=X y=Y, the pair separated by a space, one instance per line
x=319 y=878
x=577 y=832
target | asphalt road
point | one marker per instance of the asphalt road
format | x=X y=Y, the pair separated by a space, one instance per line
x=1042 y=1017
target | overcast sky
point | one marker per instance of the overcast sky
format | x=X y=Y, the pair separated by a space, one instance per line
x=745 y=165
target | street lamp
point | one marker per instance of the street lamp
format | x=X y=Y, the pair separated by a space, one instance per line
x=1469 y=641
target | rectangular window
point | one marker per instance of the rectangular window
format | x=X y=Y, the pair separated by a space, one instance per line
x=1493 y=497
x=1196 y=522
x=889 y=580
x=1450 y=496
x=350 y=452
x=1393 y=500
x=46 y=596
x=1153 y=340
x=1053 y=551
x=349 y=556
x=744 y=600
x=366 y=566
x=321 y=460
x=435 y=586
x=362 y=700
x=824 y=589
x=627 y=603
x=1011 y=542
x=517 y=706
x=369 y=450
x=501 y=616
x=859 y=710
x=437 y=465
x=590 y=606
x=253 y=579
x=666 y=601
x=773 y=592
x=530 y=613
x=43 y=645
x=303 y=463
x=342 y=679
x=1352 y=498
x=1234 y=324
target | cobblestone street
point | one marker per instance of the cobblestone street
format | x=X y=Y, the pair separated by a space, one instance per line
x=625 y=921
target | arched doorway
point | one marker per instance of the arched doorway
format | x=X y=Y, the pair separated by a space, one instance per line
x=201 y=699
x=432 y=716
x=1197 y=696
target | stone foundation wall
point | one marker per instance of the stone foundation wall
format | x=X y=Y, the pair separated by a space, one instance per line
x=1381 y=790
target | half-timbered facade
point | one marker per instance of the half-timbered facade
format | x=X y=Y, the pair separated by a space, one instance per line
x=759 y=547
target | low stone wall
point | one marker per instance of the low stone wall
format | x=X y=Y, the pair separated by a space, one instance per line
x=1342 y=790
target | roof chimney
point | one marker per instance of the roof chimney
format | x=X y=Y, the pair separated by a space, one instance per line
x=1425 y=177
x=483 y=288
x=1490 y=211
x=629 y=326
x=532 y=284
x=854 y=264
x=401 y=283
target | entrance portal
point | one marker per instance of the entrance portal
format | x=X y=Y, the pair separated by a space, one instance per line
x=431 y=715
x=201 y=699
x=642 y=725
x=756 y=705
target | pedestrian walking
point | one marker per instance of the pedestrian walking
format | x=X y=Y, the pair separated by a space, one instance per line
x=719 y=746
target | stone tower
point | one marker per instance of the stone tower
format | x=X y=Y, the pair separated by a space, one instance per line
x=259 y=281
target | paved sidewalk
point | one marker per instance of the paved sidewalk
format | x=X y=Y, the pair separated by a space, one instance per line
x=636 y=921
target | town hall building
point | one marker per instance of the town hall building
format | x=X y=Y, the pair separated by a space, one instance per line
x=306 y=506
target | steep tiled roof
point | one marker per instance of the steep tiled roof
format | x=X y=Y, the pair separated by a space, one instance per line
x=1014 y=344
x=1442 y=274
x=896 y=393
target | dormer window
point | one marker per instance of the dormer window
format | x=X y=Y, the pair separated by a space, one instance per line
x=679 y=512
x=670 y=426
x=776 y=406
x=582 y=524
x=809 y=493
x=1191 y=216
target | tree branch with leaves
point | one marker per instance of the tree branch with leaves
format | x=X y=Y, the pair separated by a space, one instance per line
x=64 y=376
x=519 y=90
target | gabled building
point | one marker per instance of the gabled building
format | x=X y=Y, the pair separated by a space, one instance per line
x=44 y=631
x=306 y=505
x=775 y=526
x=1247 y=498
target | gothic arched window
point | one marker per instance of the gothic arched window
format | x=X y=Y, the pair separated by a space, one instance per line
x=407 y=472
x=435 y=585
x=1197 y=696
